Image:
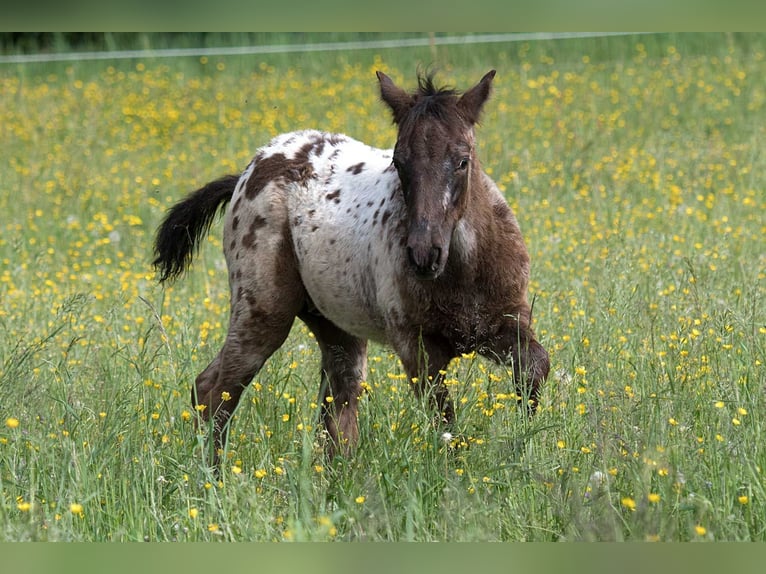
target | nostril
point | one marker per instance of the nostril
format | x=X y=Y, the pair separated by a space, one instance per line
x=411 y=256
x=426 y=262
x=436 y=255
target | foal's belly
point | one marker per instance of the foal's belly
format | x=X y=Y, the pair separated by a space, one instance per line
x=346 y=276
x=348 y=267
x=343 y=222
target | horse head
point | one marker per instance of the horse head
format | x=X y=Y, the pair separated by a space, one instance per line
x=435 y=158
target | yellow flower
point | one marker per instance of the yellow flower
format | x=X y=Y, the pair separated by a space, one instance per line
x=360 y=499
x=76 y=508
x=653 y=497
x=629 y=503
x=193 y=513
x=259 y=473
x=11 y=422
x=743 y=499
x=236 y=469
x=24 y=506
x=700 y=530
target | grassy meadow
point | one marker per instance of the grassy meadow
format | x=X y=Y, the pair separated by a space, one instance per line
x=635 y=166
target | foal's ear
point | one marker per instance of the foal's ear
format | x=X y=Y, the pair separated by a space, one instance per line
x=473 y=100
x=397 y=99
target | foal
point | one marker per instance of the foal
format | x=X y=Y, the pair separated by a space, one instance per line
x=414 y=247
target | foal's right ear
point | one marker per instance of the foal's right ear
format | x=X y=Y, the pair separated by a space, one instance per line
x=473 y=100
x=397 y=99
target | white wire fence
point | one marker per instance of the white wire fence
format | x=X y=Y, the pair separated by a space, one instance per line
x=315 y=47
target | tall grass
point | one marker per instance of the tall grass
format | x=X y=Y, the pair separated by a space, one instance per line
x=635 y=168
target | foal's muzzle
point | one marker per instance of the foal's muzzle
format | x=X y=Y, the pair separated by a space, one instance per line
x=425 y=261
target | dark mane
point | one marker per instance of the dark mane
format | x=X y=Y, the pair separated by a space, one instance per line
x=430 y=100
x=426 y=87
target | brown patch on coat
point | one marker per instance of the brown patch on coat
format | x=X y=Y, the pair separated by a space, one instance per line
x=248 y=240
x=279 y=167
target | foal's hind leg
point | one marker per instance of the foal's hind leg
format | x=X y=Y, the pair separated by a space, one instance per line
x=344 y=367
x=252 y=338
x=515 y=344
x=266 y=295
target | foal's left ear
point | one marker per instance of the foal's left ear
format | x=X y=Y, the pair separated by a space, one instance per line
x=397 y=99
x=473 y=100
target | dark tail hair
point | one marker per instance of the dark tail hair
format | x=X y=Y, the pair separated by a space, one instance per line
x=186 y=223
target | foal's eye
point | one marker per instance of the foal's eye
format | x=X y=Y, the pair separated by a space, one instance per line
x=462 y=164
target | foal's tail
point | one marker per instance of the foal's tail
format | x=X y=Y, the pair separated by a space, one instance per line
x=186 y=223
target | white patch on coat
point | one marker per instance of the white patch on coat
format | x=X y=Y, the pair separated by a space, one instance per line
x=347 y=258
x=463 y=241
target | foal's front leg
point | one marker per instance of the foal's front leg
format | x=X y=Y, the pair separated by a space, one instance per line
x=515 y=344
x=424 y=358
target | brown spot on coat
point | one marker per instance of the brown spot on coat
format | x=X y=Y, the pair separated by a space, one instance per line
x=248 y=239
x=318 y=146
x=278 y=167
x=335 y=139
x=356 y=169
